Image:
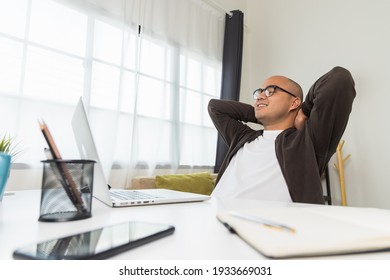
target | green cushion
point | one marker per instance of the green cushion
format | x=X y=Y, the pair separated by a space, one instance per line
x=201 y=183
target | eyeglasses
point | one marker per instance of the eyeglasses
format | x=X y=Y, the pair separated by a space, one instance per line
x=269 y=91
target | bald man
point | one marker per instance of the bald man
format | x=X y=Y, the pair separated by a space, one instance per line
x=285 y=160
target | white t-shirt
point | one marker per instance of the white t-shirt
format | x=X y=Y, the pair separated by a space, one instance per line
x=254 y=172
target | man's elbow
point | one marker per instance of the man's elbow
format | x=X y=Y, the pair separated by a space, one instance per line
x=343 y=77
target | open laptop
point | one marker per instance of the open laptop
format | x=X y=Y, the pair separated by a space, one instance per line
x=119 y=197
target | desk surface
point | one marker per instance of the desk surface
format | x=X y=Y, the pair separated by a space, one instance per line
x=198 y=235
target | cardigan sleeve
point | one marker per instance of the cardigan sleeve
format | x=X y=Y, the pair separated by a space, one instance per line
x=229 y=118
x=328 y=105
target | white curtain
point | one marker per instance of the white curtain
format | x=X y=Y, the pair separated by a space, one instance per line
x=145 y=68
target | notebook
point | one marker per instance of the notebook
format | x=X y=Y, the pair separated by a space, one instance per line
x=119 y=197
x=310 y=231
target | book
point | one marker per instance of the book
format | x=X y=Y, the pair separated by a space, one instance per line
x=308 y=231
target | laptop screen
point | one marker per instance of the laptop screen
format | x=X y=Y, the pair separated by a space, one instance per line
x=87 y=149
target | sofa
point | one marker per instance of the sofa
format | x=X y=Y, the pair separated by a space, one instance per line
x=203 y=182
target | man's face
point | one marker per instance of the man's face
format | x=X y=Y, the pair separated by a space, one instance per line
x=274 y=109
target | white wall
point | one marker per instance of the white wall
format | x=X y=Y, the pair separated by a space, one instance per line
x=303 y=39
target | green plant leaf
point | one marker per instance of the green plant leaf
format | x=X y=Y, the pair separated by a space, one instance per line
x=8 y=146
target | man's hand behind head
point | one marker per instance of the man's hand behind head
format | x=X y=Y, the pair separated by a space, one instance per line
x=300 y=119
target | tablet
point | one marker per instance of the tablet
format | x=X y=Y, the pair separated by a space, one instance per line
x=99 y=243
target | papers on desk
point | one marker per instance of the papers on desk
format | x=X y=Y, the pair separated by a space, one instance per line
x=311 y=231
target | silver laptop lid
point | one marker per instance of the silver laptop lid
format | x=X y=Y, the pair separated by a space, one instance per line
x=87 y=149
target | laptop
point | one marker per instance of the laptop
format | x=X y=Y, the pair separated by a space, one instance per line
x=119 y=197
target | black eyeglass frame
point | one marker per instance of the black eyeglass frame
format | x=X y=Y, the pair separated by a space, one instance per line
x=257 y=92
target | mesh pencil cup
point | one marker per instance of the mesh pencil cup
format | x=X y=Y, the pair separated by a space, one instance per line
x=66 y=190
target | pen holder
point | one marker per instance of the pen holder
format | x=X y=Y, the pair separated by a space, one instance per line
x=66 y=190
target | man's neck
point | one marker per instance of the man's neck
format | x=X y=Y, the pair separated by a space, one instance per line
x=278 y=126
x=281 y=125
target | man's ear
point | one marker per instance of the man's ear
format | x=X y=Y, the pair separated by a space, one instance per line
x=296 y=104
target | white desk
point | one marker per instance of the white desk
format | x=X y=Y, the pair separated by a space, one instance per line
x=198 y=235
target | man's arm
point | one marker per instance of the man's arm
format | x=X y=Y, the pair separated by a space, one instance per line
x=228 y=117
x=326 y=109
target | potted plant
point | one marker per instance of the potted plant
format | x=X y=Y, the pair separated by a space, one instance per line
x=8 y=153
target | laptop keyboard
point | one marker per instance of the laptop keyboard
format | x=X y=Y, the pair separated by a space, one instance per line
x=131 y=195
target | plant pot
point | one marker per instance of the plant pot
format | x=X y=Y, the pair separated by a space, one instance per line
x=5 y=167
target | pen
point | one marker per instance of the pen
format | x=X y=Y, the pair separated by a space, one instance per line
x=69 y=185
x=264 y=222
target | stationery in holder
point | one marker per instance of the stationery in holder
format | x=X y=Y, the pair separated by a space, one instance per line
x=63 y=171
x=295 y=232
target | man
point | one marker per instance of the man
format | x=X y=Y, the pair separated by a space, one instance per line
x=285 y=160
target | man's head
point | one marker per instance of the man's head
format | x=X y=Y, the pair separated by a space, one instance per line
x=277 y=102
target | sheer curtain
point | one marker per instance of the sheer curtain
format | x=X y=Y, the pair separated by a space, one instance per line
x=146 y=70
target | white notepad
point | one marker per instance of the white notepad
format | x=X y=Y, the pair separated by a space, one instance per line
x=311 y=231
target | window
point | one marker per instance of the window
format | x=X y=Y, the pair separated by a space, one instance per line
x=147 y=97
